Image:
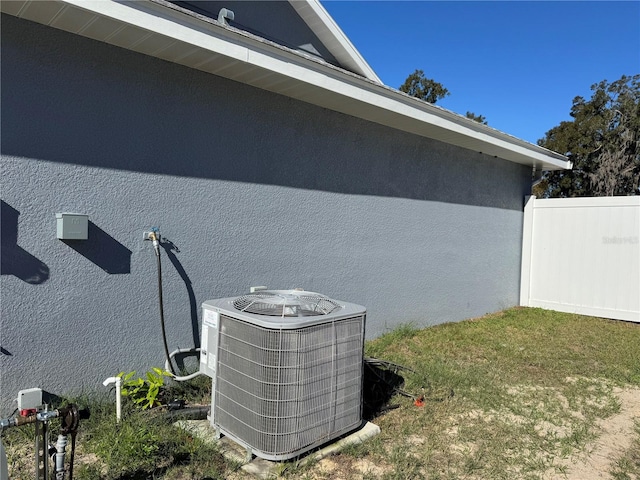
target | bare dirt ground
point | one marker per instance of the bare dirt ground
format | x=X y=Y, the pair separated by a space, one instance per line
x=596 y=462
x=615 y=438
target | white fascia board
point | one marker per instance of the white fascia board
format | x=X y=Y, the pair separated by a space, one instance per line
x=396 y=104
x=327 y=30
x=151 y=19
x=323 y=84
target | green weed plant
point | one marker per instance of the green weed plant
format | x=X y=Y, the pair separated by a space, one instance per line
x=144 y=392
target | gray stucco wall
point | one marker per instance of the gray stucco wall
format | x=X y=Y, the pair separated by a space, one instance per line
x=252 y=188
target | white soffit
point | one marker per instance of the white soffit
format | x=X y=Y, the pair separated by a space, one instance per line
x=151 y=28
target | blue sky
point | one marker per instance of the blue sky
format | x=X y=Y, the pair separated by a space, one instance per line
x=518 y=63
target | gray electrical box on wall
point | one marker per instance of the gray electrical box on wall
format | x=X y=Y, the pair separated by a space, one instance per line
x=72 y=226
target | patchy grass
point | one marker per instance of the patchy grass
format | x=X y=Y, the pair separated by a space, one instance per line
x=627 y=466
x=531 y=390
x=144 y=445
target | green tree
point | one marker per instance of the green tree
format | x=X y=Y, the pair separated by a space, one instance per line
x=478 y=118
x=427 y=89
x=601 y=141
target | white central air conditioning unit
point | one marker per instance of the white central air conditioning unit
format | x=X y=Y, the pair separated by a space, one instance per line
x=287 y=369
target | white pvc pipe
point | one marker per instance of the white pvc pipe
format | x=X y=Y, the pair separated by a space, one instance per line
x=167 y=365
x=61 y=445
x=118 y=382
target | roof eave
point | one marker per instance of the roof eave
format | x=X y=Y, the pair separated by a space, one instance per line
x=150 y=28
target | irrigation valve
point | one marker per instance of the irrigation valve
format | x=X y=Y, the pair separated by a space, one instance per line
x=69 y=416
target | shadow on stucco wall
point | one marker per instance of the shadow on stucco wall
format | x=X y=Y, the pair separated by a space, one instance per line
x=16 y=260
x=103 y=250
x=171 y=249
x=97 y=105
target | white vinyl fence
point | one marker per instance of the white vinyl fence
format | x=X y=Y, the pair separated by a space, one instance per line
x=582 y=255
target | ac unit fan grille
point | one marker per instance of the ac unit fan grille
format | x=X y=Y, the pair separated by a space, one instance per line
x=286 y=304
x=281 y=391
